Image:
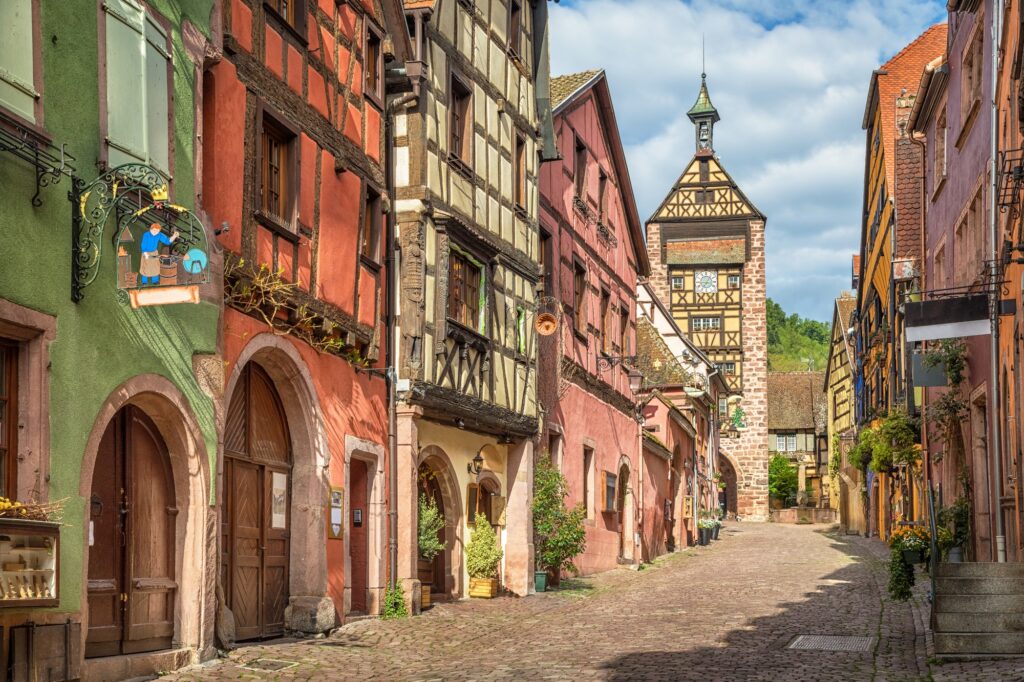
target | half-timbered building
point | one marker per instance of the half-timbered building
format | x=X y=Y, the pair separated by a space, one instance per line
x=591 y=246
x=466 y=165
x=846 y=481
x=706 y=246
x=293 y=171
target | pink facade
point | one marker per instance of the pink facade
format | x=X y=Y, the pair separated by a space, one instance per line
x=592 y=250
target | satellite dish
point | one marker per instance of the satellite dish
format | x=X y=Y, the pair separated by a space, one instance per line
x=546 y=324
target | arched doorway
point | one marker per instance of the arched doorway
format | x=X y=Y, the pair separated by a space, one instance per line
x=132 y=517
x=437 y=477
x=621 y=492
x=730 y=479
x=433 y=572
x=257 y=518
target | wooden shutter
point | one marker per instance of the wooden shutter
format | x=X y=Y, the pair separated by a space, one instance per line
x=157 y=95
x=471 y=503
x=126 y=83
x=17 y=78
x=498 y=510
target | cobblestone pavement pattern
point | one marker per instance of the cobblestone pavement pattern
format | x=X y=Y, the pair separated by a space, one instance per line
x=725 y=612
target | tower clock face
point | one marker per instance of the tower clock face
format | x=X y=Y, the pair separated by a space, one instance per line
x=705 y=282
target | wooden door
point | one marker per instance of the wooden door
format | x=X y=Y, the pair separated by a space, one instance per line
x=433 y=572
x=358 y=535
x=131 y=588
x=257 y=514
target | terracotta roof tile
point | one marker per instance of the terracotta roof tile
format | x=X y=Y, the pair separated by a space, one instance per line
x=655 y=360
x=564 y=86
x=795 y=399
x=710 y=251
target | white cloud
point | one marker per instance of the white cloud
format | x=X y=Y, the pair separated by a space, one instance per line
x=789 y=78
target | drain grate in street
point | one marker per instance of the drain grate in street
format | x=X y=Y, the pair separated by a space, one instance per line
x=269 y=664
x=832 y=643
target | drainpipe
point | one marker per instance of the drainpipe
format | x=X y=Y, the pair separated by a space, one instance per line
x=391 y=261
x=921 y=143
x=997 y=441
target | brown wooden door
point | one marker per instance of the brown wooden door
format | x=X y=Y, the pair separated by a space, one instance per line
x=358 y=535
x=257 y=514
x=131 y=588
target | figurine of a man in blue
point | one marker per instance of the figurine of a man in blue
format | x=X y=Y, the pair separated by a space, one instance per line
x=149 y=267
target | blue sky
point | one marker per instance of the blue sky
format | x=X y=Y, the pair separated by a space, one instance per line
x=789 y=78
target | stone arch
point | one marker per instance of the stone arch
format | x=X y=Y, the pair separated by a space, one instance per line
x=195 y=539
x=310 y=609
x=626 y=490
x=731 y=475
x=440 y=463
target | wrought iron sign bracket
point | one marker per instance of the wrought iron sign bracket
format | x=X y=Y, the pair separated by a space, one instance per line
x=51 y=163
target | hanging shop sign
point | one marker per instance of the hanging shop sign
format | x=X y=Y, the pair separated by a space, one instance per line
x=947 y=318
x=162 y=248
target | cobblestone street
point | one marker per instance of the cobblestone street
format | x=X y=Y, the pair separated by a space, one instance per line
x=727 y=612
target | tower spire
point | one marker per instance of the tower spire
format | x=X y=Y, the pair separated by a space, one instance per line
x=704 y=117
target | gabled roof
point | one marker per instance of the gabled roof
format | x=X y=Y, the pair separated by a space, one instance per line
x=683 y=204
x=795 y=400
x=842 y=314
x=567 y=89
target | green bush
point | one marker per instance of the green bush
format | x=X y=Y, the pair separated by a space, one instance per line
x=782 y=478
x=901 y=576
x=483 y=554
x=431 y=521
x=559 y=533
x=394 y=604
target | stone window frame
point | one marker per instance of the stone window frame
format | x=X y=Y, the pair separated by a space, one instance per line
x=972 y=77
x=33 y=332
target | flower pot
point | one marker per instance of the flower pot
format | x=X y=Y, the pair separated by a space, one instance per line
x=912 y=556
x=714 y=532
x=540 y=581
x=956 y=555
x=484 y=588
x=424 y=595
x=703 y=536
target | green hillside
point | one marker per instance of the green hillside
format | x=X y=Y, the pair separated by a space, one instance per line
x=795 y=343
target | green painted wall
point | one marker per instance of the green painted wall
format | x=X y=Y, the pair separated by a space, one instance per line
x=100 y=344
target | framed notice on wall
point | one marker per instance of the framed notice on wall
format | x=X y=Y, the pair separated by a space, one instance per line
x=279 y=500
x=688 y=506
x=336 y=515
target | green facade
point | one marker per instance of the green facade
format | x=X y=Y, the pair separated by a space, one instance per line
x=100 y=343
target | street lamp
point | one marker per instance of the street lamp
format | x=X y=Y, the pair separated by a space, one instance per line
x=476 y=466
x=636 y=380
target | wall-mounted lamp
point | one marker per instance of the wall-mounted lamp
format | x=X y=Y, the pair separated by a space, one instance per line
x=476 y=466
x=636 y=380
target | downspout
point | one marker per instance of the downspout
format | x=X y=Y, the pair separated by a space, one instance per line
x=920 y=142
x=997 y=437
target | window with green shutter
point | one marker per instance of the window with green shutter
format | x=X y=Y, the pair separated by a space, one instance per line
x=17 y=59
x=138 y=96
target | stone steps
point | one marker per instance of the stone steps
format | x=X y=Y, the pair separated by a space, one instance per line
x=978 y=609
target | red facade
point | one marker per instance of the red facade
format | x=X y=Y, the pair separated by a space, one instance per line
x=593 y=250
x=292 y=168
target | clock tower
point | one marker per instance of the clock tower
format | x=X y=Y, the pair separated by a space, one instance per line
x=706 y=246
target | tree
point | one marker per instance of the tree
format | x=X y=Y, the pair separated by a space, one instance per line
x=559 y=532
x=782 y=478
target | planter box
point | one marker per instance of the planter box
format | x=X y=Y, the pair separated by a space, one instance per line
x=540 y=581
x=424 y=595
x=912 y=556
x=484 y=588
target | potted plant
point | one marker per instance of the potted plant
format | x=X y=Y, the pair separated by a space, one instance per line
x=559 y=532
x=483 y=555
x=912 y=542
x=704 y=527
x=716 y=528
x=957 y=519
x=431 y=522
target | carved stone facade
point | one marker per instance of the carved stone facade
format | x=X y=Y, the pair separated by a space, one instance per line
x=706 y=244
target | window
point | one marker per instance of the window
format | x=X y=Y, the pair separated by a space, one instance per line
x=728 y=368
x=520 y=161
x=545 y=258
x=705 y=171
x=705 y=282
x=138 y=68
x=373 y=63
x=461 y=121
x=520 y=330
x=606 y=299
x=602 y=198
x=941 y=132
x=971 y=73
x=623 y=330
x=484 y=500
x=785 y=442
x=580 y=168
x=610 y=480
x=732 y=281
x=553 y=450
x=677 y=282
x=579 y=298
x=464 y=276
x=276 y=170
x=293 y=12
x=588 y=472
x=939 y=269
x=17 y=60
x=723 y=407
x=8 y=419
x=371 y=226
x=515 y=26
x=703 y=324
x=705 y=196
